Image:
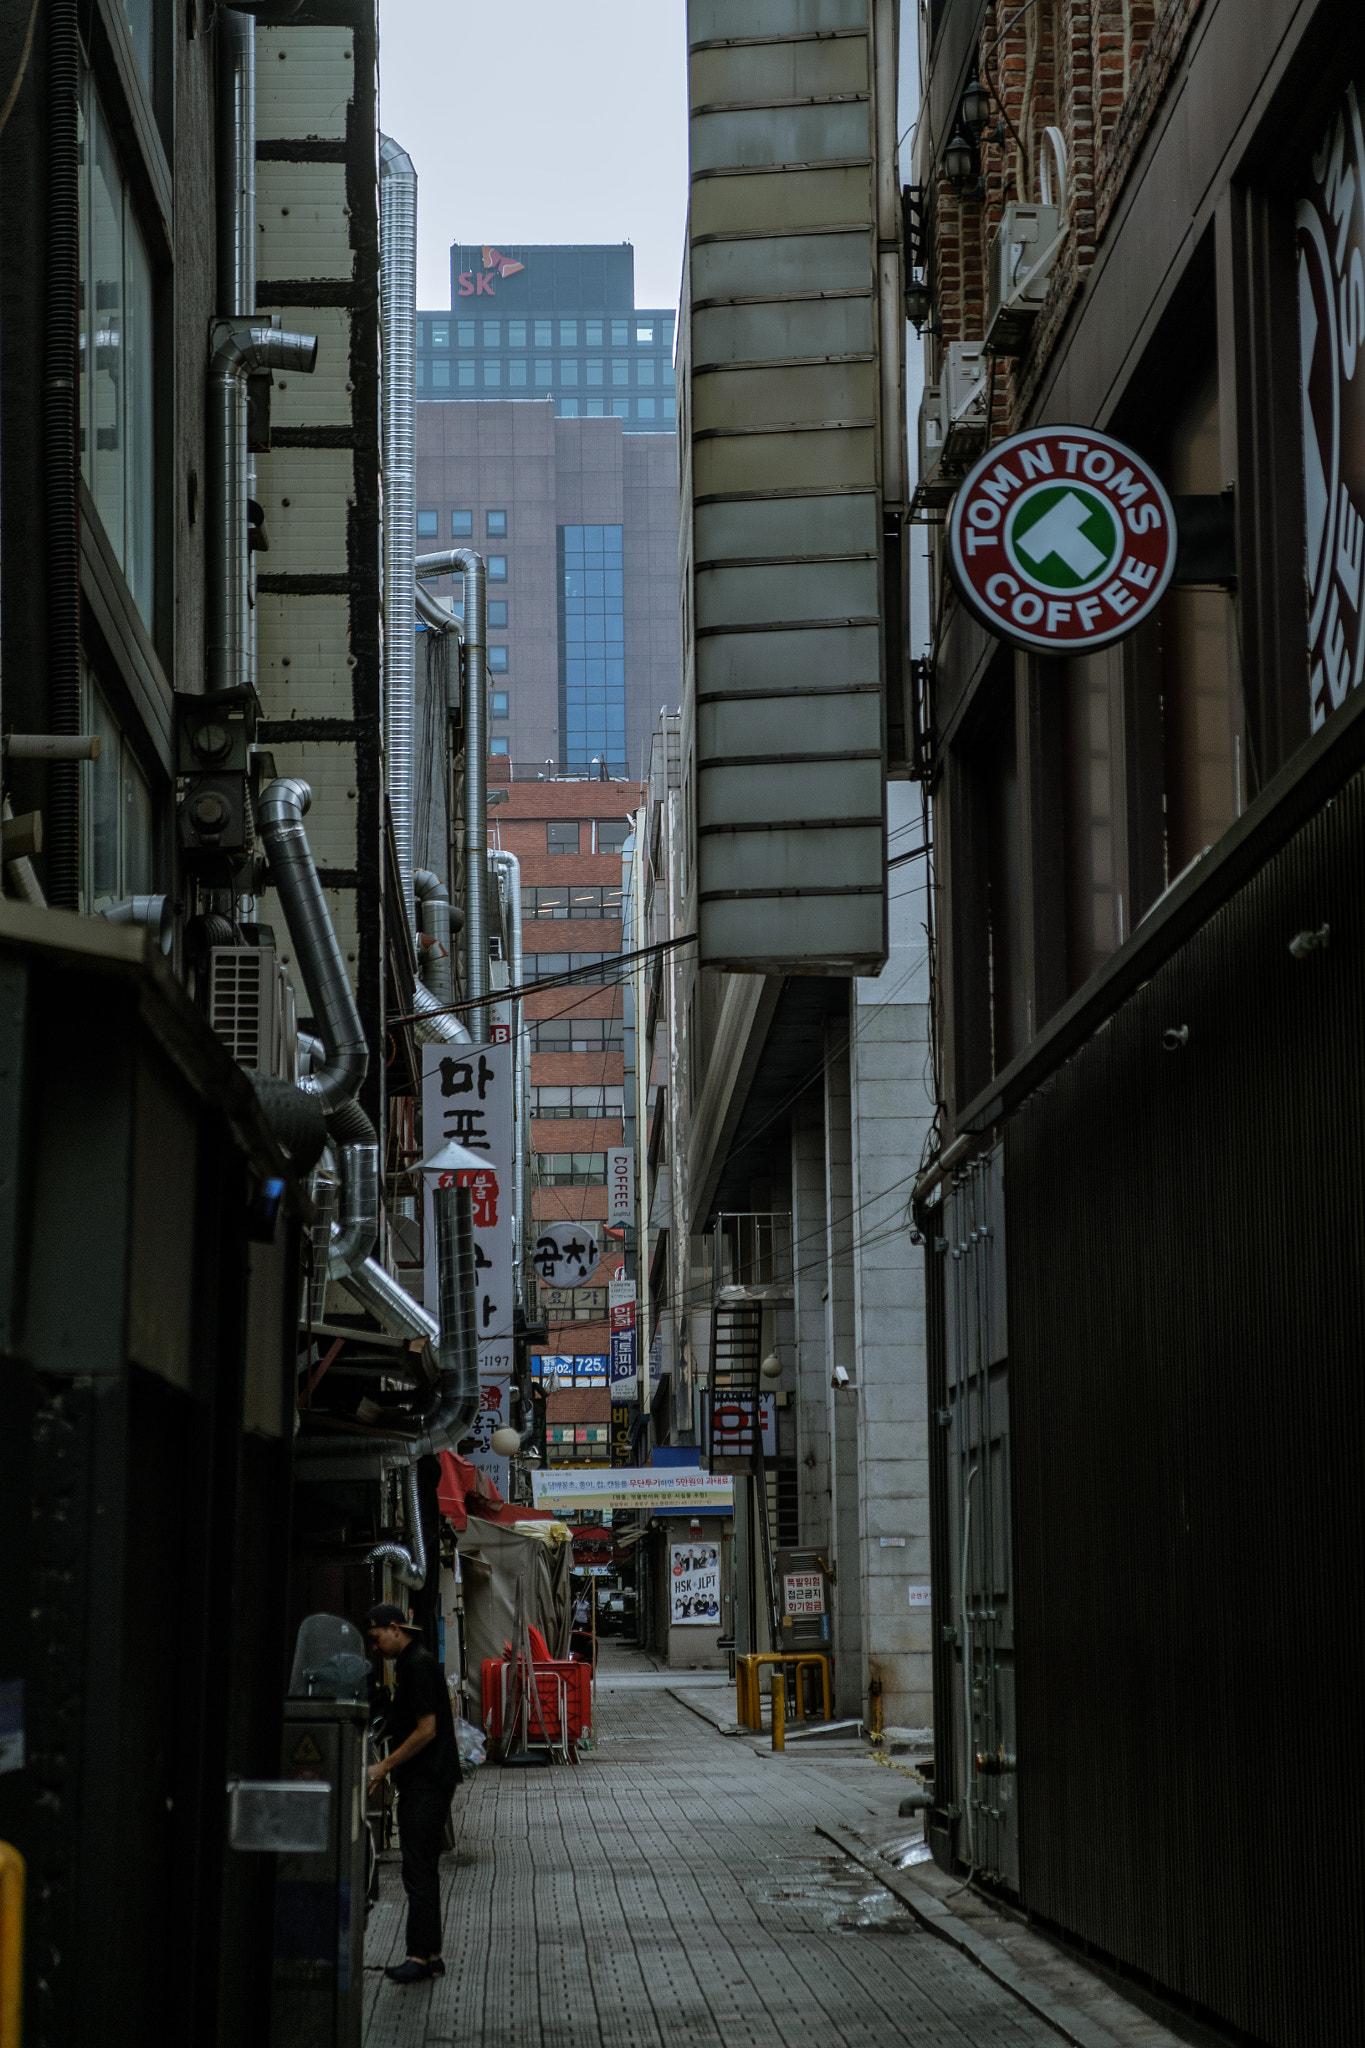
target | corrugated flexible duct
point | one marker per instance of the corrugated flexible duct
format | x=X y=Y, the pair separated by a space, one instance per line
x=398 y=313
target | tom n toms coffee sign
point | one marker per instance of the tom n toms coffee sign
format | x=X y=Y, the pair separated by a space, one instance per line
x=1061 y=540
x=1330 y=232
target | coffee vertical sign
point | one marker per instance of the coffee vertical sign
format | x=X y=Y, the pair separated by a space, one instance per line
x=1330 y=231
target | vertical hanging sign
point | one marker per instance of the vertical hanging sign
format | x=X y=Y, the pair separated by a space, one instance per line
x=625 y=1384
x=620 y=1185
x=467 y=1095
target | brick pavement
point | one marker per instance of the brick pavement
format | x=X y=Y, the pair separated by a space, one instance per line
x=671 y=1891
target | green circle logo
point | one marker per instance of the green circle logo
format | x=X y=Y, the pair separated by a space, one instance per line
x=1063 y=537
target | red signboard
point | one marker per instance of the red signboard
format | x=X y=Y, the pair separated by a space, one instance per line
x=1061 y=540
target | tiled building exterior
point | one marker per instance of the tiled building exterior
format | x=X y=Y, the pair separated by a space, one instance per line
x=511 y=477
x=568 y=837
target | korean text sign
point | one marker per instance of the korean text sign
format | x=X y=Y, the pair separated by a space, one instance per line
x=467 y=1095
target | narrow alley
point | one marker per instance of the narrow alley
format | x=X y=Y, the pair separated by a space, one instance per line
x=677 y=1888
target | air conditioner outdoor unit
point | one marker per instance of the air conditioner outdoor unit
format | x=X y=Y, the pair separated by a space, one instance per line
x=964 y=405
x=934 y=487
x=1017 y=272
x=251 y=1007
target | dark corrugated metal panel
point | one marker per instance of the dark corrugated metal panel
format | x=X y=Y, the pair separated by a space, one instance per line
x=943 y=1599
x=1187 y=1304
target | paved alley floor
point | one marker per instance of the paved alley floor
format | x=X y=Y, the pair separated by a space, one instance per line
x=673 y=1890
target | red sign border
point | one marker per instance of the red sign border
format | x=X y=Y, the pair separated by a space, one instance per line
x=1019 y=636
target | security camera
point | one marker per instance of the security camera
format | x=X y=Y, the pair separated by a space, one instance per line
x=839 y=1377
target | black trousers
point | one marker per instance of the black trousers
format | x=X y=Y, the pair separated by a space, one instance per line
x=422 y=1811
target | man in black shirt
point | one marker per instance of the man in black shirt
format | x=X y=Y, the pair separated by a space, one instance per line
x=425 y=1766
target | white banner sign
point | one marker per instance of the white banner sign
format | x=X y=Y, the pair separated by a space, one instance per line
x=565 y=1253
x=676 y=1486
x=620 y=1185
x=467 y=1095
x=694 y=1584
x=495 y=1412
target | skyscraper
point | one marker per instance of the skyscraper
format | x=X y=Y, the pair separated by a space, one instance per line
x=570 y=487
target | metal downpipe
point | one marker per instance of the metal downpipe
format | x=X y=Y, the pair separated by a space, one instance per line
x=509 y=866
x=241 y=348
x=62 y=548
x=335 y=1014
x=398 y=316
x=236 y=164
x=465 y=562
x=357 y=1227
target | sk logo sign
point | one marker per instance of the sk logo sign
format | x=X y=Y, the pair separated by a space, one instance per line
x=1061 y=539
x=473 y=284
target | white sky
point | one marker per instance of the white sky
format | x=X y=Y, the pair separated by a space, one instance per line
x=533 y=121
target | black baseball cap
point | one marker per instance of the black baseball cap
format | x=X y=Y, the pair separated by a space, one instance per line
x=386 y=1615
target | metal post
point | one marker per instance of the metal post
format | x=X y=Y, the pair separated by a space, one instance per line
x=778 y=1689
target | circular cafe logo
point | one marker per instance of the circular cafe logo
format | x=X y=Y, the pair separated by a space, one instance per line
x=1061 y=539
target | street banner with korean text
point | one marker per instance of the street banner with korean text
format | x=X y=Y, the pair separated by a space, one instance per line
x=673 y=1487
x=467 y=1095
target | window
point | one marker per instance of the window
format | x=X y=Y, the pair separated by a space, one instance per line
x=620 y=370
x=116 y=403
x=497 y=611
x=139 y=14
x=117 y=835
x=573 y=1169
x=497 y=568
x=592 y=334
x=594 y=370
x=492 y=373
x=516 y=334
x=588 y=900
x=561 y=1104
x=644 y=335
x=462 y=526
x=464 y=333
x=421 y=334
x=428 y=525
x=644 y=370
x=567 y=408
x=568 y=370
x=497 y=525
x=592 y=647
x=497 y=661
x=568 y=334
x=620 y=334
x=620 y=408
x=544 y=333
x=561 y=835
x=544 y=373
x=612 y=834
x=499 y=702
x=669 y=408
x=497 y=746
x=492 y=334
x=586 y=967
x=440 y=334
x=666 y=330
x=421 y=373
x=594 y=408
x=578 y=1034
x=516 y=373
x=644 y=408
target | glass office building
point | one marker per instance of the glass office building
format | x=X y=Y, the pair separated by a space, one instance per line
x=547 y=321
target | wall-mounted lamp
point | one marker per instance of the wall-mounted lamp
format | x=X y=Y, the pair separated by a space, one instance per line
x=975 y=110
x=919 y=302
x=959 y=163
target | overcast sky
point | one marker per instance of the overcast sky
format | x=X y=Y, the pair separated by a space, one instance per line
x=532 y=121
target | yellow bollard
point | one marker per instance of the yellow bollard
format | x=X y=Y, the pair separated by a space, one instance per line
x=11 y=1946
x=779 y=1698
